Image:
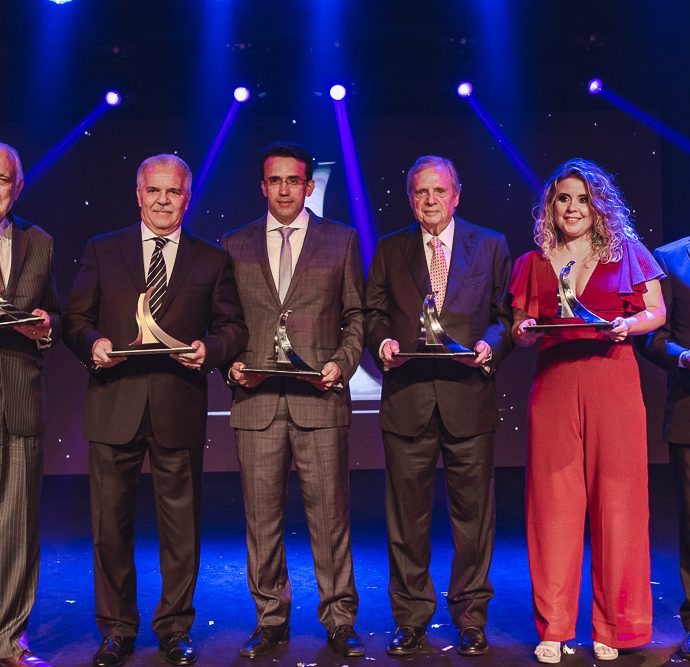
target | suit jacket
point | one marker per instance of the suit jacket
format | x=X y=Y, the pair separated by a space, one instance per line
x=200 y=303
x=666 y=344
x=31 y=285
x=326 y=324
x=475 y=307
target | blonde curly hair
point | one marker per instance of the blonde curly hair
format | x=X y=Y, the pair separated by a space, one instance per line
x=612 y=225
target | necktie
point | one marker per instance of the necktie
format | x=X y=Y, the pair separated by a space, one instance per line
x=157 y=279
x=285 y=266
x=438 y=271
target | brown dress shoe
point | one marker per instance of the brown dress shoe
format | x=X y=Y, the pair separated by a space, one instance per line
x=26 y=657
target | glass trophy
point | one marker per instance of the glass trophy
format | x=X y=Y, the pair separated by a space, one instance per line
x=11 y=316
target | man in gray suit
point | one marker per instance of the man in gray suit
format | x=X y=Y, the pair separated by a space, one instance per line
x=26 y=281
x=668 y=347
x=292 y=260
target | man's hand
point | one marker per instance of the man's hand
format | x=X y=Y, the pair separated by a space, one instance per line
x=192 y=360
x=391 y=347
x=330 y=374
x=99 y=355
x=248 y=381
x=483 y=350
x=35 y=330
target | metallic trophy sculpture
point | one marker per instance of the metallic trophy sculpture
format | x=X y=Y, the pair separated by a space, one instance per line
x=10 y=315
x=433 y=341
x=570 y=307
x=151 y=339
x=286 y=362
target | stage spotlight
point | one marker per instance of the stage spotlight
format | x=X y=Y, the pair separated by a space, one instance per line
x=112 y=98
x=465 y=89
x=595 y=86
x=59 y=2
x=241 y=94
x=337 y=92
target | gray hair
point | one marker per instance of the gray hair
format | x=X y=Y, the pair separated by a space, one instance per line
x=14 y=155
x=165 y=160
x=433 y=162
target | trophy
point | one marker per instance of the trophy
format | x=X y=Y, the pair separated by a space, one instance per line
x=286 y=362
x=433 y=341
x=10 y=315
x=151 y=339
x=570 y=307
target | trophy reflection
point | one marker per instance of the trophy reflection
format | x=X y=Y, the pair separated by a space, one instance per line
x=570 y=308
x=285 y=361
x=151 y=338
x=433 y=341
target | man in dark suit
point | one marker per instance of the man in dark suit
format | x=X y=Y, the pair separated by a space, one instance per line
x=150 y=403
x=27 y=282
x=292 y=260
x=432 y=407
x=668 y=347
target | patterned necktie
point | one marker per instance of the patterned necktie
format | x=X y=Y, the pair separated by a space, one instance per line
x=157 y=279
x=438 y=271
x=285 y=266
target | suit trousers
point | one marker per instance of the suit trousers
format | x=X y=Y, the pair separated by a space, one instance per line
x=469 y=479
x=679 y=458
x=21 y=470
x=114 y=472
x=321 y=459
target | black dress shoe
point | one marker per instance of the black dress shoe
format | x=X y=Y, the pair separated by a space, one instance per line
x=406 y=640
x=265 y=639
x=684 y=648
x=113 y=651
x=345 y=642
x=177 y=649
x=472 y=642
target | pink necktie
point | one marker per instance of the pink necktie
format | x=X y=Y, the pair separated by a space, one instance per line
x=438 y=271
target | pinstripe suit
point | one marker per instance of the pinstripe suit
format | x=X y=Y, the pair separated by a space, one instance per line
x=283 y=421
x=22 y=414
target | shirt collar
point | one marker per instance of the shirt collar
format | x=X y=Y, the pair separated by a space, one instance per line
x=4 y=226
x=446 y=235
x=147 y=234
x=300 y=222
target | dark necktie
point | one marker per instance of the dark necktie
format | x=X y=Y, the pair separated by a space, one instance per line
x=157 y=279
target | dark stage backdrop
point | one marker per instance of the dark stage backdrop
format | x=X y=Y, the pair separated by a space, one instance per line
x=91 y=190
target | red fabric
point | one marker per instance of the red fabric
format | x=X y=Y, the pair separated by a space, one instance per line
x=588 y=455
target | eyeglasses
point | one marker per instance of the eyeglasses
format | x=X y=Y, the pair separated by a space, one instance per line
x=290 y=181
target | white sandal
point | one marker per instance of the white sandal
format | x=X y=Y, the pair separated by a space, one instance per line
x=604 y=652
x=549 y=652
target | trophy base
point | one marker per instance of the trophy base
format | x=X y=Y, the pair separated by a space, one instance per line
x=153 y=348
x=279 y=372
x=555 y=328
x=435 y=355
x=31 y=319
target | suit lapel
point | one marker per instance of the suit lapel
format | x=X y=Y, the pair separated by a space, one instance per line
x=463 y=242
x=133 y=257
x=311 y=243
x=260 y=243
x=20 y=243
x=415 y=259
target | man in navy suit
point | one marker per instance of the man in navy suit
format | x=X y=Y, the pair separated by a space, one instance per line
x=668 y=347
x=432 y=407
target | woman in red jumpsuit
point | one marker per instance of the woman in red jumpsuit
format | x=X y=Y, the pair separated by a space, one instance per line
x=587 y=424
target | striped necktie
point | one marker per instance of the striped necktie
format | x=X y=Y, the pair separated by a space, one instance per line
x=157 y=279
x=438 y=272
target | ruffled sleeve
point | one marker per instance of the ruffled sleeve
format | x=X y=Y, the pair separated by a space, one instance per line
x=637 y=267
x=524 y=284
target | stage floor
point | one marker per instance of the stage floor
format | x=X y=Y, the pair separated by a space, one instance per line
x=63 y=630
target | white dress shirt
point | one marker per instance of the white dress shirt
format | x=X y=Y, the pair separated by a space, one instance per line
x=5 y=251
x=169 y=249
x=274 y=240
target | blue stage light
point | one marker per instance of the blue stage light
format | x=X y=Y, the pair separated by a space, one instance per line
x=241 y=94
x=337 y=92
x=465 y=89
x=59 y=2
x=112 y=98
x=595 y=86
